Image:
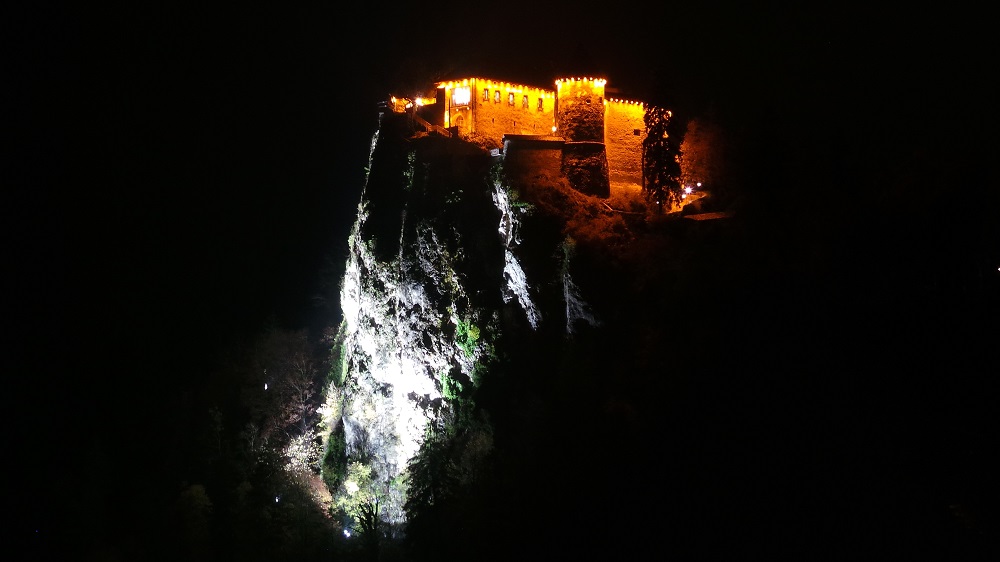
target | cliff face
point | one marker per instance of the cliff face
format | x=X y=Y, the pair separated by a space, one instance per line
x=433 y=281
x=483 y=312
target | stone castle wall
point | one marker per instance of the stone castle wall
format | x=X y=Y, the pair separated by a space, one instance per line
x=585 y=165
x=528 y=158
x=496 y=108
x=623 y=133
x=489 y=110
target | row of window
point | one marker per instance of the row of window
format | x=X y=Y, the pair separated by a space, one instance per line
x=510 y=99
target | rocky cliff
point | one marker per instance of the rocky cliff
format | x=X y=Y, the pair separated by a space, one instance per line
x=450 y=265
x=504 y=336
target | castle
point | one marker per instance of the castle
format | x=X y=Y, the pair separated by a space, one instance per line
x=574 y=131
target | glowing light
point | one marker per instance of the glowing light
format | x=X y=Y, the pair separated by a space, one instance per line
x=265 y=386
x=461 y=96
x=347 y=533
x=687 y=189
x=553 y=128
x=699 y=184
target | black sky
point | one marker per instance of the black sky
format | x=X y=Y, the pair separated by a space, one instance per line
x=180 y=174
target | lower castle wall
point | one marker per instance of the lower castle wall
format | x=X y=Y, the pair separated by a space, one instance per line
x=585 y=165
x=526 y=159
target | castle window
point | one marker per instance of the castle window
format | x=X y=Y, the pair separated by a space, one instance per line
x=486 y=94
x=635 y=132
x=461 y=96
x=510 y=98
x=524 y=102
x=496 y=96
x=540 y=105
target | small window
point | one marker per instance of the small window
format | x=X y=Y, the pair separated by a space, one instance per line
x=540 y=106
x=486 y=94
x=496 y=96
x=635 y=132
x=524 y=102
x=510 y=98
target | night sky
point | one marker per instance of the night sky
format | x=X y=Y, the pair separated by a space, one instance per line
x=179 y=176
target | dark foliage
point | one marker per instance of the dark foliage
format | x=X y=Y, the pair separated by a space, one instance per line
x=335 y=461
x=583 y=120
x=661 y=157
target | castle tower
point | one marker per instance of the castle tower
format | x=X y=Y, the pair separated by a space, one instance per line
x=580 y=120
x=580 y=109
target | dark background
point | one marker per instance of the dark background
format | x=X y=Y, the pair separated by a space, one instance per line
x=179 y=175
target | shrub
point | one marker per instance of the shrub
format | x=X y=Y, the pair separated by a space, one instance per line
x=335 y=460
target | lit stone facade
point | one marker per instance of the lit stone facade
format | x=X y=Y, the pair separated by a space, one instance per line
x=623 y=133
x=491 y=108
x=576 y=112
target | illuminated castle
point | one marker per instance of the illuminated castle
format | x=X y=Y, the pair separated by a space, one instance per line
x=573 y=131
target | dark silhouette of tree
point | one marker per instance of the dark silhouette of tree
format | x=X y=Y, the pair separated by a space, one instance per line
x=369 y=526
x=661 y=153
x=433 y=476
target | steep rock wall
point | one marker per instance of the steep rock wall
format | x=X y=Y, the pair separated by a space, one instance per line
x=436 y=271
